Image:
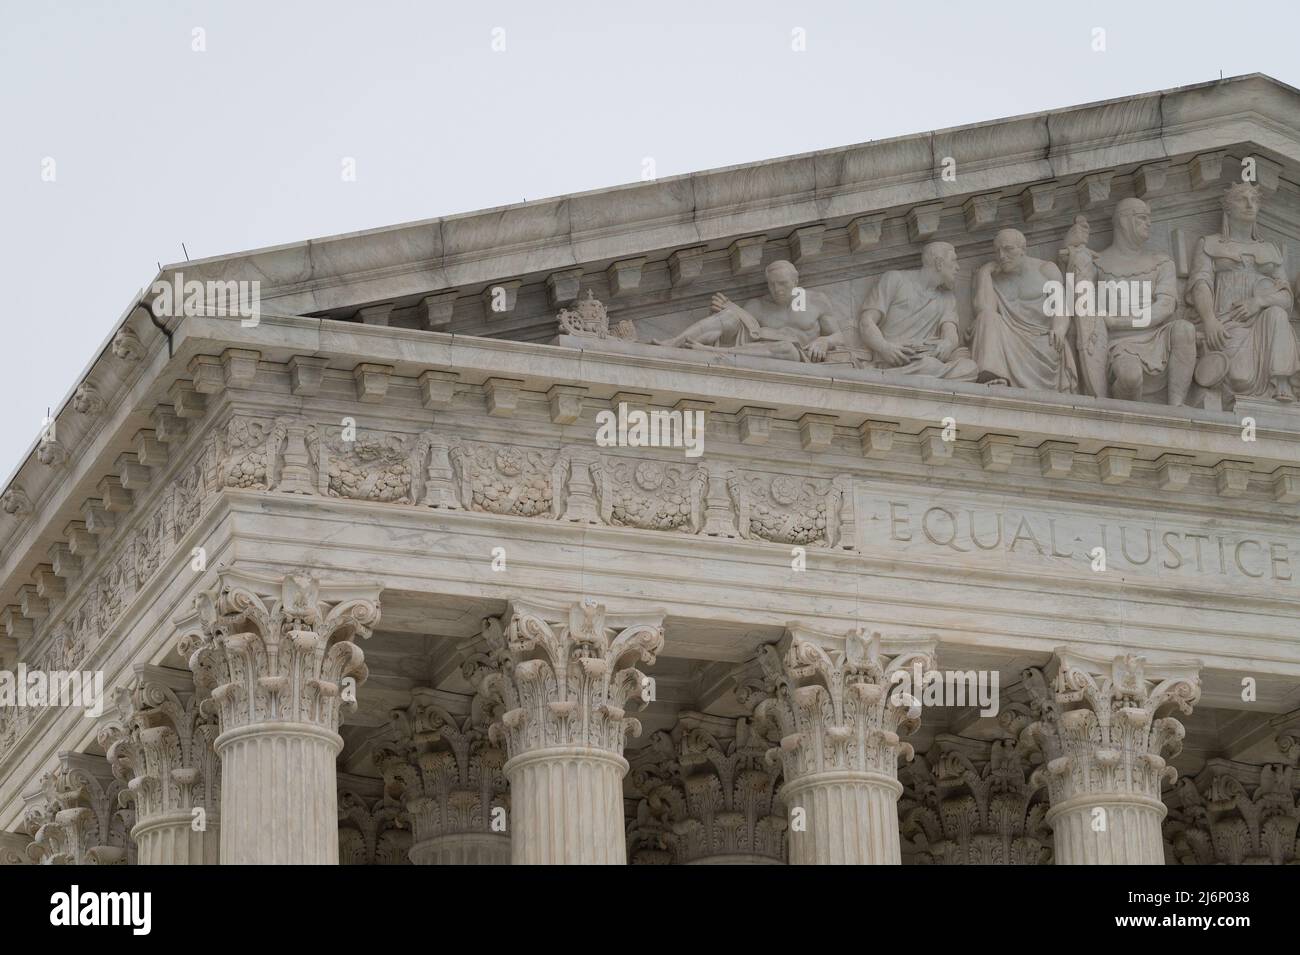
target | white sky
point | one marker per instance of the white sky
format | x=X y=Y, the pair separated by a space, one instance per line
x=241 y=146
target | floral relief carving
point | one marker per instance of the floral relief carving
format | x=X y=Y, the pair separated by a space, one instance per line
x=149 y=541
x=77 y=630
x=650 y=494
x=1233 y=814
x=837 y=710
x=277 y=650
x=1098 y=731
x=785 y=509
x=161 y=748
x=443 y=770
x=248 y=450
x=374 y=467
x=704 y=795
x=504 y=479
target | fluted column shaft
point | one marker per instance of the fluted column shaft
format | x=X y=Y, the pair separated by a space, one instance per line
x=463 y=848
x=568 y=807
x=851 y=818
x=171 y=839
x=1130 y=836
x=279 y=785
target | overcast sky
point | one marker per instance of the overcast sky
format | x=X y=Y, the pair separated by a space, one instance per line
x=241 y=144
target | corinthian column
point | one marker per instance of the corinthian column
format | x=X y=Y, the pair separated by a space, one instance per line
x=161 y=748
x=1104 y=752
x=448 y=776
x=839 y=711
x=277 y=660
x=564 y=675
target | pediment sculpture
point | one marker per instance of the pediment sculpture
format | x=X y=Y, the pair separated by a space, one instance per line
x=1108 y=323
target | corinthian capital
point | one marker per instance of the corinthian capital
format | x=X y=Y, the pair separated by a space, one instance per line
x=1237 y=814
x=1099 y=729
x=841 y=705
x=442 y=768
x=971 y=802
x=564 y=674
x=280 y=649
x=370 y=827
x=707 y=793
x=78 y=817
x=161 y=745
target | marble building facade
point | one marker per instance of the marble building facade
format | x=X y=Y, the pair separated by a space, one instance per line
x=365 y=585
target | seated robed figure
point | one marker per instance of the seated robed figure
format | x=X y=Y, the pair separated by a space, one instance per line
x=1017 y=339
x=908 y=321
x=1240 y=293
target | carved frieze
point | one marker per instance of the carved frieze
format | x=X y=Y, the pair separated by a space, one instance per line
x=504 y=479
x=368 y=466
x=248 y=450
x=786 y=509
x=650 y=494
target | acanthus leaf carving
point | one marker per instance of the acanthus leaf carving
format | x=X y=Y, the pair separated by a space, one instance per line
x=564 y=675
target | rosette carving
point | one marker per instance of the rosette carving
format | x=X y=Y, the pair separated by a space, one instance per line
x=650 y=494
x=787 y=509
